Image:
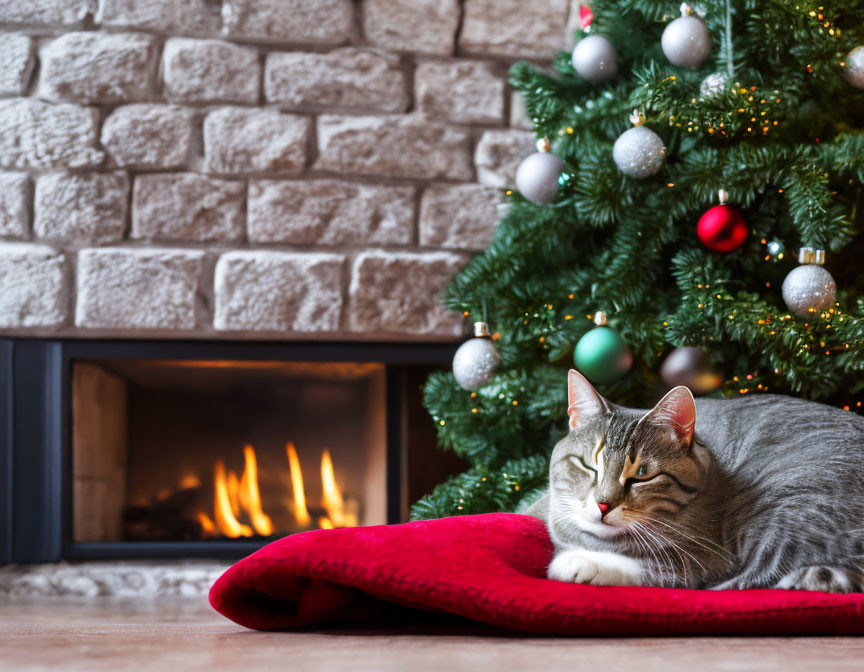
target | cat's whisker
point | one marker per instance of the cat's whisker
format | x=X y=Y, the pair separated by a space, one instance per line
x=660 y=547
x=719 y=550
x=651 y=551
x=679 y=550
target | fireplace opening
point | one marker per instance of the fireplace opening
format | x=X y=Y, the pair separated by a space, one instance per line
x=220 y=450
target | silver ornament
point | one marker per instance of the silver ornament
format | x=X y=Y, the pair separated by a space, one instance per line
x=713 y=85
x=776 y=251
x=475 y=360
x=686 y=42
x=809 y=289
x=537 y=177
x=639 y=152
x=692 y=368
x=854 y=70
x=595 y=59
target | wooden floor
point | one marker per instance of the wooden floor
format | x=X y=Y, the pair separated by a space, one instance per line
x=185 y=634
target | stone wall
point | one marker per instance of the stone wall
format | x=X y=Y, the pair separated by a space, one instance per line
x=255 y=168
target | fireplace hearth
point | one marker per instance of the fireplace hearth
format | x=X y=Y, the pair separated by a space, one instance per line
x=165 y=449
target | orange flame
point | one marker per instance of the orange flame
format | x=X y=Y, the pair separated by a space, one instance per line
x=250 y=495
x=332 y=500
x=331 y=497
x=190 y=481
x=233 y=485
x=225 y=518
x=301 y=513
x=208 y=527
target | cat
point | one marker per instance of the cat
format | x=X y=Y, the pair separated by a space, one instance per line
x=762 y=491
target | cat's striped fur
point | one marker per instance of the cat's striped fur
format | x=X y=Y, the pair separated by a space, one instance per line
x=762 y=491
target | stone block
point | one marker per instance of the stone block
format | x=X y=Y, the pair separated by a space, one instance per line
x=15 y=193
x=349 y=78
x=136 y=288
x=48 y=12
x=425 y=26
x=38 y=135
x=186 y=17
x=203 y=71
x=93 y=67
x=401 y=292
x=514 y=28
x=33 y=278
x=329 y=212
x=461 y=91
x=81 y=206
x=499 y=154
x=186 y=206
x=278 y=291
x=148 y=136
x=240 y=140
x=461 y=216
x=16 y=64
x=518 y=114
x=289 y=21
x=395 y=146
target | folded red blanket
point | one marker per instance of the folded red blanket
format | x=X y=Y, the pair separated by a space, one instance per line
x=492 y=569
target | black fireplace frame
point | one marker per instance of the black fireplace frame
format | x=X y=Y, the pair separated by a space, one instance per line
x=36 y=420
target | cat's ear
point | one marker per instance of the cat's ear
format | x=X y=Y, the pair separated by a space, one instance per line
x=582 y=399
x=675 y=413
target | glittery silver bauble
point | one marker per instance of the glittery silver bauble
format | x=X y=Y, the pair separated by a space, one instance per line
x=776 y=251
x=537 y=177
x=639 y=152
x=474 y=362
x=854 y=70
x=686 y=42
x=809 y=289
x=595 y=58
x=692 y=368
x=713 y=84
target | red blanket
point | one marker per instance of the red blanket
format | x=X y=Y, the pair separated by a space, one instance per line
x=492 y=568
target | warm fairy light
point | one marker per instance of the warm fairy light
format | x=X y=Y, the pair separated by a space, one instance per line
x=250 y=495
x=301 y=513
x=226 y=521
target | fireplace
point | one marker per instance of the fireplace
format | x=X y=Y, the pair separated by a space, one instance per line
x=121 y=449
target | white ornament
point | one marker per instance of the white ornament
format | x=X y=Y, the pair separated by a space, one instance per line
x=686 y=42
x=809 y=289
x=595 y=59
x=639 y=152
x=854 y=70
x=713 y=85
x=537 y=177
x=475 y=360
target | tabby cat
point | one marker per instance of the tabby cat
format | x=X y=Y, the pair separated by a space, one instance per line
x=754 y=492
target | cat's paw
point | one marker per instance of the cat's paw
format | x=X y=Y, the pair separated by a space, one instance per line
x=596 y=568
x=822 y=578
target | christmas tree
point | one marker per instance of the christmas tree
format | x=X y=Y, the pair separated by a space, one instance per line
x=761 y=99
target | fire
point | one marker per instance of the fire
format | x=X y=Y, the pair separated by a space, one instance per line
x=250 y=496
x=238 y=499
x=225 y=518
x=301 y=513
x=332 y=499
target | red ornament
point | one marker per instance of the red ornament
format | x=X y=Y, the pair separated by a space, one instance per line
x=586 y=16
x=722 y=228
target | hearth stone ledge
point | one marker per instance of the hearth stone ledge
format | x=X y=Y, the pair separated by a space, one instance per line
x=182 y=578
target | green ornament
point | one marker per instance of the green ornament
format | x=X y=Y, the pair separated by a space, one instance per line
x=775 y=251
x=601 y=354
